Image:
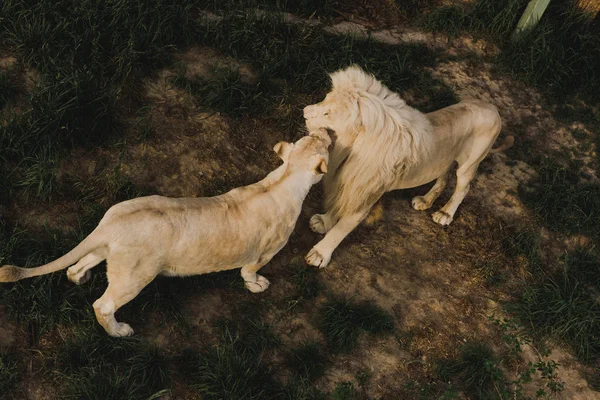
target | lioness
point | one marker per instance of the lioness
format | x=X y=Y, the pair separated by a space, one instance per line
x=383 y=144
x=150 y=236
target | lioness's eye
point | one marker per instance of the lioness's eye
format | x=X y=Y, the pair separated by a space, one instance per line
x=326 y=114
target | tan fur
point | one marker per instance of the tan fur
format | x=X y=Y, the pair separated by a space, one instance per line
x=150 y=236
x=375 y=215
x=382 y=144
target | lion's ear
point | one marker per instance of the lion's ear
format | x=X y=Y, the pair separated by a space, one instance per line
x=283 y=150
x=321 y=166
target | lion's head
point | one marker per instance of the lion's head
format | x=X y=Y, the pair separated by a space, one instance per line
x=356 y=100
x=338 y=112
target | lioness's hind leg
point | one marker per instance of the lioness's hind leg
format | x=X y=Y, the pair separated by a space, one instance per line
x=464 y=176
x=426 y=201
x=320 y=223
x=80 y=273
x=122 y=288
x=254 y=282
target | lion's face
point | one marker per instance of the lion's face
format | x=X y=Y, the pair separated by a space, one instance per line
x=338 y=112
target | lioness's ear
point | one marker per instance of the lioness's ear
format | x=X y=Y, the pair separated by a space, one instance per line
x=283 y=150
x=321 y=166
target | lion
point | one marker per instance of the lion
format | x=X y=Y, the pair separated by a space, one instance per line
x=150 y=236
x=382 y=144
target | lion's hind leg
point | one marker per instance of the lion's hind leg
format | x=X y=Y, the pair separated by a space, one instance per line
x=81 y=272
x=464 y=176
x=424 y=202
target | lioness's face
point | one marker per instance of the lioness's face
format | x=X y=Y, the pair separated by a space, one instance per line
x=310 y=153
x=337 y=112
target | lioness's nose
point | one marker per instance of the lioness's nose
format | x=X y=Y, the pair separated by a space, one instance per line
x=309 y=111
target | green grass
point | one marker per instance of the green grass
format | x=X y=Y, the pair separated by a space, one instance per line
x=8 y=88
x=521 y=241
x=414 y=8
x=228 y=91
x=564 y=305
x=306 y=280
x=343 y=320
x=344 y=391
x=560 y=55
x=89 y=54
x=308 y=360
x=561 y=202
x=9 y=374
x=89 y=75
x=303 y=55
x=305 y=8
x=232 y=369
x=476 y=371
x=94 y=365
x=41 y=303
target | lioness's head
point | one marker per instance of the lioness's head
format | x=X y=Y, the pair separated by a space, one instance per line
x=310 y=153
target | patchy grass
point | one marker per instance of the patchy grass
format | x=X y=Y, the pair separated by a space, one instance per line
x=89 y=55
x=306 y=8
x=343 y=320
x=9 y=374
x=344 y=391
x=520 y=241
x=228 y=91
x=306 y=280
x=563 y=203
x=96 y=366
x=233 y=369
x=8 y=88
x=45 y=301
x=561 y=54
x=564 y=305
x=303 y=55
x=308 y=360
x=476 y=371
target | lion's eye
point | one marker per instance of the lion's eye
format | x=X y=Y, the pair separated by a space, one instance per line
x=326 y=114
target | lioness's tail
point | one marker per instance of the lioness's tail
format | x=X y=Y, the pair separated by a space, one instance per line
x=506 y=144
x=11 y=273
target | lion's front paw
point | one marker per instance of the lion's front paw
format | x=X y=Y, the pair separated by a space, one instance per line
x=317 y=258
x=419 y=203
x=318 y=224
x=442 y=218
x=79 y=279
x=123 y=330
x=260 y=285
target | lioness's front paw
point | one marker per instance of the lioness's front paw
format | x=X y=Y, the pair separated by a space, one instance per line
x=441 y=218
x=317 y=259
x=260 y=285
x=419 y=203
x=79 y=279
x=123 y=330
x=317 y=223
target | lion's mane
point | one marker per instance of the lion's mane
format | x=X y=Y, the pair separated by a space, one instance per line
x=369 y=157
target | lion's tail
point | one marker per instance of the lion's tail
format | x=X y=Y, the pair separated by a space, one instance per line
x=375 y=215
x=506 y=144
x=11 y=273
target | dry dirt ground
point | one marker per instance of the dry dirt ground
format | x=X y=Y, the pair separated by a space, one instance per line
x=429 y=278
